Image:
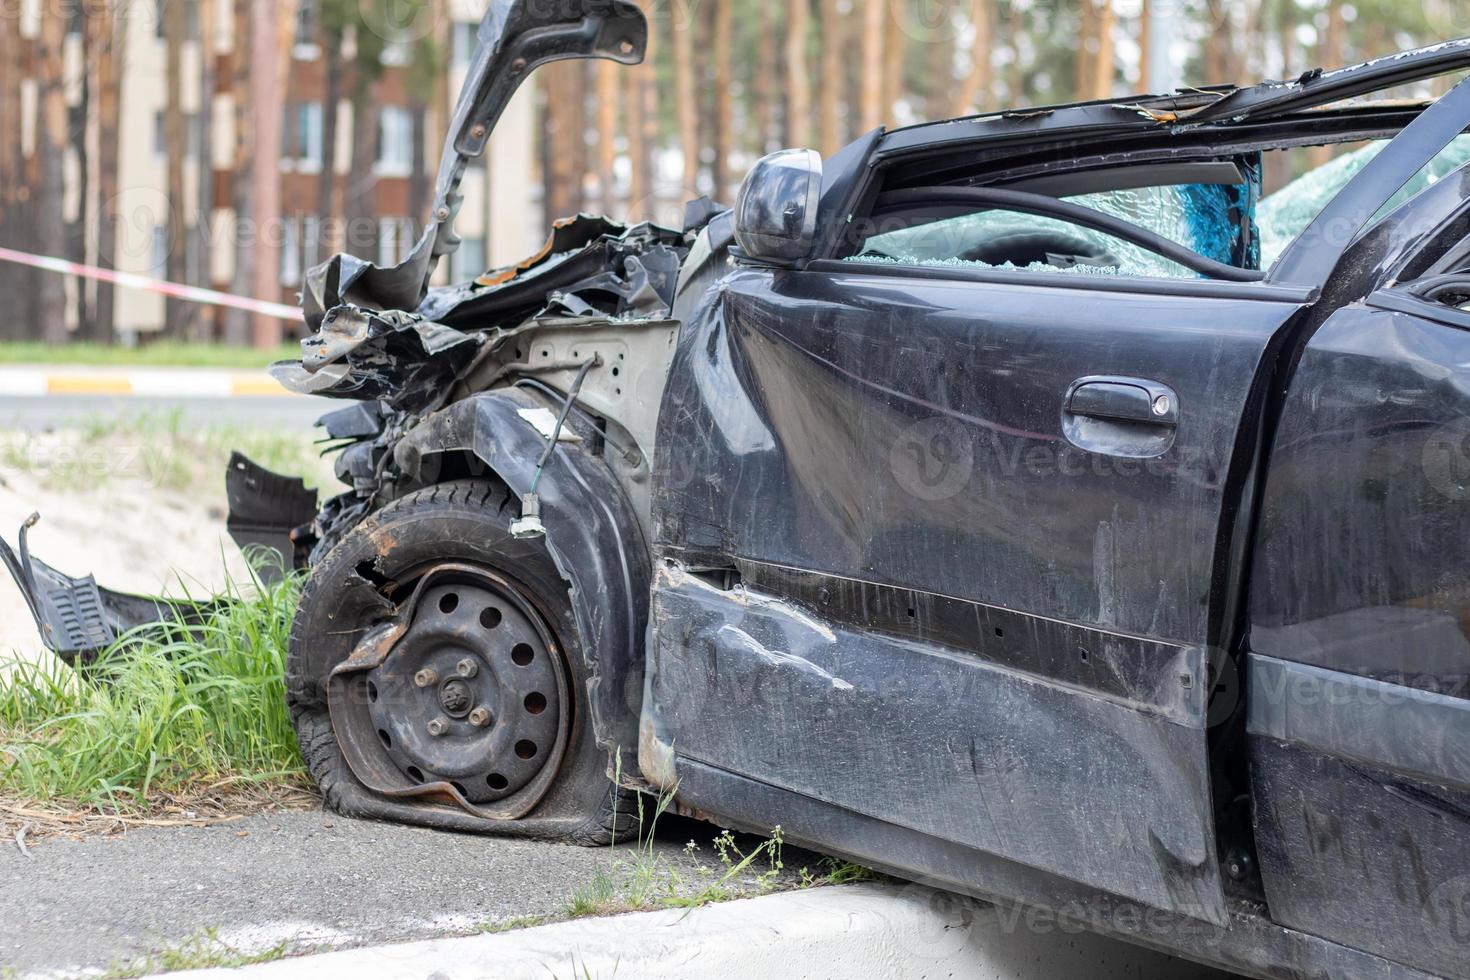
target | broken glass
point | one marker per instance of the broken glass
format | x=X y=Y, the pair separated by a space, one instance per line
x=1214 y=220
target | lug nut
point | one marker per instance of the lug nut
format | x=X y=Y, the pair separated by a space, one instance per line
x=467 y=667
x=438 y=726
x=426 y=677
x=480 y=717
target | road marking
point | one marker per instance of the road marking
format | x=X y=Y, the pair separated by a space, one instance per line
x=38 y=382
x=81 y=384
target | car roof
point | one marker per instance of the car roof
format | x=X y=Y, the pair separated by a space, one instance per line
x=1222 y=105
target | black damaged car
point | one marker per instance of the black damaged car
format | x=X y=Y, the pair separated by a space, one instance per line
x=1024 y=504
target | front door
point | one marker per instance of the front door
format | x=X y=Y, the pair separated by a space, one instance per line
x=975 y=528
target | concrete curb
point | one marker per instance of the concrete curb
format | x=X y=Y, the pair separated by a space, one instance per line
x=847 y=931
x=158 y=382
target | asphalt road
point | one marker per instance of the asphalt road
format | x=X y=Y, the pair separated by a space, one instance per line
x=56 y=411
x=308 y=879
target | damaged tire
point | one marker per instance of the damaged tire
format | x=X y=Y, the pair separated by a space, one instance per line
x=435 y=676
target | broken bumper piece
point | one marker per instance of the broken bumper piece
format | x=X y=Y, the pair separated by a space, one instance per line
x=79 y=619
x=270 y=513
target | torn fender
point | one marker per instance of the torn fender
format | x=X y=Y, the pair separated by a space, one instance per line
x=592 y=534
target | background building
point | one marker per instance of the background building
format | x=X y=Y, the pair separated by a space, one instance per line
x=235 y=143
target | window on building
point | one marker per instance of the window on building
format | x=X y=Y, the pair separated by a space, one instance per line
x=158 y=256
x=394 y=237
x=396 y=54
x=464 y=43
x=301 y=140
x=469 y=261
x=304 y=42
x=301 y=248
x=191 y=18
x=193 y=135
x=395 y=141
x=291 y=252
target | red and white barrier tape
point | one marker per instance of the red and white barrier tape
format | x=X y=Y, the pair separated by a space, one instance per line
x=193 y=294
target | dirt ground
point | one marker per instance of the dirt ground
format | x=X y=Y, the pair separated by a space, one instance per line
x=141 y=513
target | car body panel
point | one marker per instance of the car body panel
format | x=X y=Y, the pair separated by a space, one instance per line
x=900 y=446
x=1358 y=675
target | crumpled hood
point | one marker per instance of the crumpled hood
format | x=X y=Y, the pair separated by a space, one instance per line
x=590 y=267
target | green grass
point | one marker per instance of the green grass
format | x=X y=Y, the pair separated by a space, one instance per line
x=510 y=925
x=201 y=952
x=166 y=711
x=163 y=449
x=648 y=881
x=158 y=354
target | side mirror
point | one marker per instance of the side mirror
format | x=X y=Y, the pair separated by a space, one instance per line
x=776 y=214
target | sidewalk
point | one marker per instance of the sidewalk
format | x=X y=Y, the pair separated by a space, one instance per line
x=842 y=931
x=39 y=380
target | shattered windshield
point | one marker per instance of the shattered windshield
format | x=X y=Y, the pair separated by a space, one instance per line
x=1285 y=214
x=1229 y=223
x=1214 y=220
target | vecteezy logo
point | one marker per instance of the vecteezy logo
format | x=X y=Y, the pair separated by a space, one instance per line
x=945 y=922
x=1447 y=459
x=934 y=21
x=1447 y=18
x=933 y=459
x=1447 y=914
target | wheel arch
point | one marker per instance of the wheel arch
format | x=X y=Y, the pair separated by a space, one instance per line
x=592 y=534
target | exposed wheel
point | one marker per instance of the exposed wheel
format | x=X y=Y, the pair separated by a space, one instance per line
x=435 y=676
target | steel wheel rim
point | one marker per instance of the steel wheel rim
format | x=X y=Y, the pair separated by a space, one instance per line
x=409 y=734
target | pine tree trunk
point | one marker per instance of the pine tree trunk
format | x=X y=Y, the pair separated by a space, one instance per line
x=15 y=280
x=974 y=91
x=176 y=147
x=834 y=44
x=798 y=78
x=79 y=117
x=49 y=230
x=938 y=81
x=875 y=15
x=1102 y=65
x=206 y=318
x=642 y=124
x=608 y=82
x=1015 y=71
x=271 y=23
x=420 y=181
x=682 y=25
x=564 y=121
x=724 y=116
x=895 y=60
x=326 y=181
x=1145 y=52
x=1329 y=56
x=111 y=62
x=763 y=82
x=237 y=323
x=1083 y=68
x=1216 y=42
x=362 y=234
